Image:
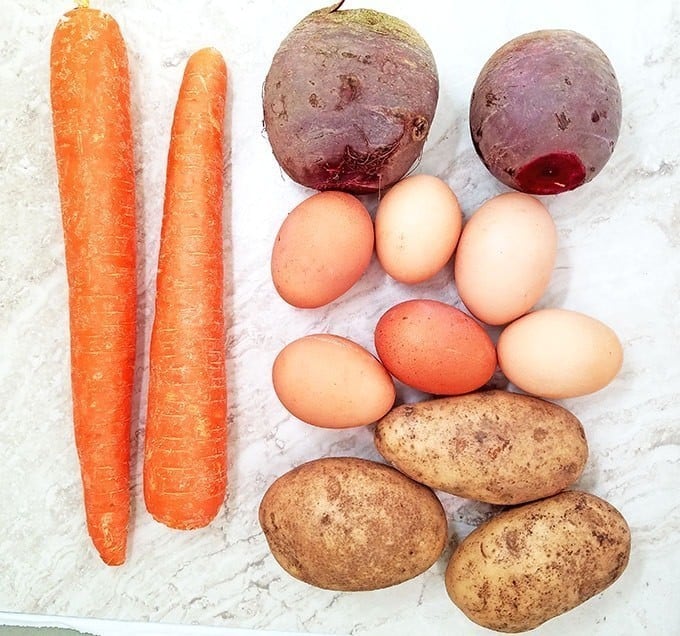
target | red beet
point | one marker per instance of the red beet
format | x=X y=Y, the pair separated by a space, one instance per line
x=349 y=99
x=545 y=112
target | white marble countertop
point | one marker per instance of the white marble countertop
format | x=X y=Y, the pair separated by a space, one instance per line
x=619 y=260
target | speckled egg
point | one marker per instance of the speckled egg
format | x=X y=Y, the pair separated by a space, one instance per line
x=417 y=227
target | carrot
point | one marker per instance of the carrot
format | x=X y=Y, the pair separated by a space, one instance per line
x=90 y=95
x=185 y=443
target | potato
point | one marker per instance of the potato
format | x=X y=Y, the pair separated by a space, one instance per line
x=494 y=446
x=351 y=524
x=545 y=112
x=534 y=562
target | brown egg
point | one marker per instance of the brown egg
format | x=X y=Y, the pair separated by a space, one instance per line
x=330 y=381
x=322 y=248
x=434 y=347
x=557 y=353
x=505 y=257
x=417 y=226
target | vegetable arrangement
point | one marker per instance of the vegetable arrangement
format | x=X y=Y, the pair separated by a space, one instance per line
x=348 y=103
x=185 y=445
x=544 y=115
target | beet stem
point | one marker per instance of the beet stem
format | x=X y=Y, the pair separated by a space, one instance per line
x=336 y=6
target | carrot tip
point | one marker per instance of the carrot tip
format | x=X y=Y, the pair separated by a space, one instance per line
x=115 y=559
x=110 y=554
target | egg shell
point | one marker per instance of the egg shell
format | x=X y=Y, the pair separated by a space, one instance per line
x=558 y=353
x=417 y=226
x=505 y=257
x=344 y=523
x=434 y=347
x=322 y=249
x=332 y=382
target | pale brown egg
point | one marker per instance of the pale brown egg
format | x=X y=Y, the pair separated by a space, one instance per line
x=330 y=381
x=505 y=257
x=557 y=353
x=417 y=226
x=322 y=248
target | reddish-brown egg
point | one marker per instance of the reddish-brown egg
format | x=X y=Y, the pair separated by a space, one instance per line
x=434 y=347
x=322 y=248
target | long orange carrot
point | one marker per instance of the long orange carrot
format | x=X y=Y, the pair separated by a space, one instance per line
x=93 y=145
x=185 y=444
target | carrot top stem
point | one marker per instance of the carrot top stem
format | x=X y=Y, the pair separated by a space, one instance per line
x=83 y=4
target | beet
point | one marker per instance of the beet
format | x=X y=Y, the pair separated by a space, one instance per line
x=545 y=112
x=349 y=100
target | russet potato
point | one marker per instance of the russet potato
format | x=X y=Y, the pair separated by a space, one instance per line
x=492 y=446
x=536 y=561
x=351 y=524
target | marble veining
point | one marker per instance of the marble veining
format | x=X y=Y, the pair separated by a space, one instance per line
x=618 y=260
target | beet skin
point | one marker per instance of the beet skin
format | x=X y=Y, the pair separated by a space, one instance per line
x=349 y=100
x=545 y=112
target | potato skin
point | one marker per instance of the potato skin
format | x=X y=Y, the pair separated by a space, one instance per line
x=351 y=524
x=493 y=446
x=545 y=112
x=537 y=561
x=349 y=100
